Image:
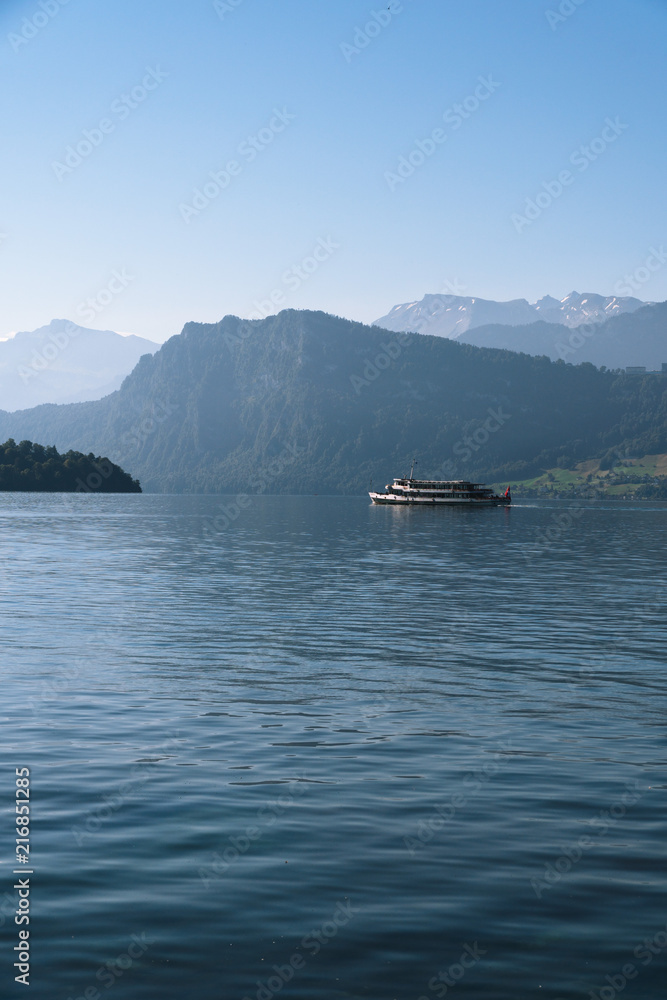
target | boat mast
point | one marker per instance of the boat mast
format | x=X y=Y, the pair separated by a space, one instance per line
x=414 y=462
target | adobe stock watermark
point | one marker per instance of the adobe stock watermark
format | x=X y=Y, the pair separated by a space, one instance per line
x=545 y=539
x=293 y=278
x=248 y=150
x=656 y=606
x=470 y=444
x=453 y=117
x=103 y=811
x=267 y=815
x=580 y=158
x=60 y=340
x=593 y=664
x=230 y=512
x=444 y=812
x=31 y=26
x=644 y=952
x=57 y=686
x=633 y=282
x=121 y=108
x=565 y=9
x=392 y=350
x=407 y=692
x=629 y=284
x=576 y=339
x=364 y=34
x=448 y=978
x=91 y=307
x=114 y=968
x=451 y=290
x=224 y=7
x=311 y=943
x=103 y=470
x=571 y=854
x=148 y=424
x=385 y=357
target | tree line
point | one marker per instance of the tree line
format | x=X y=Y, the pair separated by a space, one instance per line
x=30 y=467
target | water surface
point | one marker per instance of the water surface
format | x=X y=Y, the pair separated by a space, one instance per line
x=320 y=749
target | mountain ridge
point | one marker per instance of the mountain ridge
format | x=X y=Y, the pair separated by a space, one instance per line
x=306 y=402
x=444 y=315
x=63 y=362
x=634 y=337
x=627 y=340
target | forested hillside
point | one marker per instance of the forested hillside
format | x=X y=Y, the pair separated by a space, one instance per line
x=307 y=402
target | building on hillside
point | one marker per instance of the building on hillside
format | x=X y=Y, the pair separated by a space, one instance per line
x=641 y=370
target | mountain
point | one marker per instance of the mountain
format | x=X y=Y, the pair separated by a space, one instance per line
x=453 y=315
x=630 y=339
x=306 y=402
x=65 y=363
x=588 y=307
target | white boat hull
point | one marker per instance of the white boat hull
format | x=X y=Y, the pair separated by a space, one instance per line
x=393 y=498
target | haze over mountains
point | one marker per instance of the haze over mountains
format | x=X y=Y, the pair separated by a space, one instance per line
x=611 y=332
x=65 y=363
x=307 y=402
x=453 y=315
x=628 y=340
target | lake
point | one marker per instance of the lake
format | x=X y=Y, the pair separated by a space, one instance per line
x=313 y=748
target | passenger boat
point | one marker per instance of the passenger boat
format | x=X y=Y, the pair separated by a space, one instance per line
x=454 y=492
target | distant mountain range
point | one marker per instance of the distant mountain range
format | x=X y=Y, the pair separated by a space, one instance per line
x=306 y=402
x=453 y=315
x=65 y=363
x=612 y=332
x=628 y=340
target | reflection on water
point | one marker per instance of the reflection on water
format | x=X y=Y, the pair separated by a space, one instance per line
x=336 y=750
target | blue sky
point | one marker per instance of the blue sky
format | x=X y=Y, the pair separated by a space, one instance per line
x=314 y=212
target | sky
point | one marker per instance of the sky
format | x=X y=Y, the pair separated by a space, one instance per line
x=164 y=161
